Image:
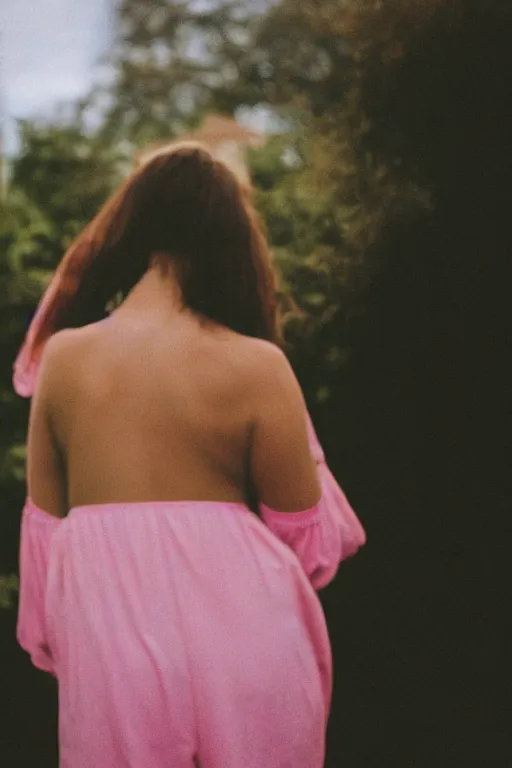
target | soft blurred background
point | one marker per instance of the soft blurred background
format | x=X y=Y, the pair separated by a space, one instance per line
x=377 y=135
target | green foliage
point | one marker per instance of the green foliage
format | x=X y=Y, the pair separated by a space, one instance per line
x=309 y=250
x=9 y=585
x=173 y=62
x=60 y=178
x=66 y=174
x=21 y=227
x=297 y=61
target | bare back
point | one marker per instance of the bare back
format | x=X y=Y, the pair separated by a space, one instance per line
x=154 y=413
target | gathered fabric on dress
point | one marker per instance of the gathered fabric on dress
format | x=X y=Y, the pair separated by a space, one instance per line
x=186 y=633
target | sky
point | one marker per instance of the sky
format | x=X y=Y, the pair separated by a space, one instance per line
x=48 y=53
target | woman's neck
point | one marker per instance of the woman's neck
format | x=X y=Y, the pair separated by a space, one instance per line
x=156 y=300
x=156 y=295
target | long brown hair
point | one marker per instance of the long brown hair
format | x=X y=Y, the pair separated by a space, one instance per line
x=184 y=203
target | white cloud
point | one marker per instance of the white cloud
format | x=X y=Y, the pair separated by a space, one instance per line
x=48 y=49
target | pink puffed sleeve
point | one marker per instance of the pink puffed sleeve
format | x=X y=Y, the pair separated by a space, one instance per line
x=37 y=529
x=325 y=535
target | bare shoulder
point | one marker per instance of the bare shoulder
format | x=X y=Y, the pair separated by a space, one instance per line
x=268 y=371
x=269 y=362
x=61 y=345
x=55 y=350
x=60 y=356
x=255 y=355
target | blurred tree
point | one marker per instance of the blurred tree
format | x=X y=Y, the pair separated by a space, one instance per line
x=173 y=61
x=320 y=272
x=8 y=586
x=66 y=173
x=418 y=166
x=59 y=179
x=23 y=230
x=27 y=249
x=297 y=61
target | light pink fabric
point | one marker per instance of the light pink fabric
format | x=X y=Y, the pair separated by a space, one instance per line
x=26 y=365
x=37 y=530
x=323 y=536
x=185 y=633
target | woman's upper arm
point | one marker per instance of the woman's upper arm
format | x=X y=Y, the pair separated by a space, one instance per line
x=46 y=480
x=283 y=469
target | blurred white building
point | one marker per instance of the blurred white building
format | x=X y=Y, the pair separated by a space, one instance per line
x=224 y=137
